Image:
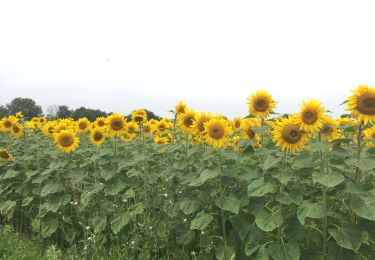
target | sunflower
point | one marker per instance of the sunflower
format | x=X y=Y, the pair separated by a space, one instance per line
x=42 y=120
x=139 y=116
x=97 y=136
x=162 y=127
x=288 y=135
x=147 y=128
x=5 y=155
x=127 y=137
x=66 y=141
x=311 y=116
x=116 y=124
x=237 y=123
x=246 y=127
x=161 y=140
x=49 y=129
x=17 y=130
x=329 y=130
x=261 y=104
x=362 y=104
x=186 y=120
x=6 y=124
x=217 y=132
x=83 y=125
x=132 y=127
x=198 y=124
x=99 y=122
x=180 y=108
x=19 y=115
x=234 y=142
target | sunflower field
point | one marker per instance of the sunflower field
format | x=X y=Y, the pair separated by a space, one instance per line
x=197 y=185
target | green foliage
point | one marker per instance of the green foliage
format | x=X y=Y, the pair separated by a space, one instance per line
x=27 y=106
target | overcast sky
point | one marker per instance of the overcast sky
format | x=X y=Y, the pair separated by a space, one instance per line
x=122 y=55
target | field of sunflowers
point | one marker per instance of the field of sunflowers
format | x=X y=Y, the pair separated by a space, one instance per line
x=197 y=185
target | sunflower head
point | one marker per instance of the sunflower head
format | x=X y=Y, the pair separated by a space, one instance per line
x=329 y=131
x=200 y=120
x=139 y=116
x=362 y=104
x=311 y=116
x=5 y=155
x=116 y=124
x=369 y=135
x=288 y=135
x=132 y=127
x=162 y=126
x=83 y=125
x=17 y=130
x=127 y=137
x=66 y=141
x=186 y=120
x=217 y=132
x=161 y=140
x=100 y=122
x=237 y=123
x=261 y=104
x=180 y=108
x=49 y=129
x=97 y=136
x=19 y=115
x=247 y=128
x=6 y=124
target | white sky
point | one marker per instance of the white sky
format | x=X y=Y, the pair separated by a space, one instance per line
x=122 y=55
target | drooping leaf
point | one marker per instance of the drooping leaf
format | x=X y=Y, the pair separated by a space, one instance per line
x=229 y=203
x=268 y=221
x=258 y=188
x=329 y=180
x=201 y=220
x=285 y=251
x=310 y=210
x=365 y=208
x=188 y=205
x=349 y=237
x=225 y=253
x=119 y=222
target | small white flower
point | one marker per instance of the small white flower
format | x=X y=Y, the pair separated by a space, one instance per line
x=101 y=183
x=150 y=227
x=89 y=238
x=202 y=232
x=125 y=200
x=87 y=228
x=75 y=203
x=185 y=220
x=165 y=195
x=132 y=242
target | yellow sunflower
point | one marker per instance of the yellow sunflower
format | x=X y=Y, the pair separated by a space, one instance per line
x=362 y=104
x=66 y=141
x=288 y=135
x=162 y=127
x=198 y=124
x=116 y=124
x=369 y=135
x=139 y=116
x=161 y=140
x=132 y=127
x=42 y=120
x=19 y=115
x=17 y=130
x=127 y=137
x=246 y=127
x=97 y=136
x=329 y=130
x=6 y=124
x=217 y=132
x=186 y=120
x=49 y=129
x=237 y=123
x=180 y=108
x=83 y=125
x=234 y=142
x=261 y=104
x=311 y=117
x=5 y=155
x=100 y=122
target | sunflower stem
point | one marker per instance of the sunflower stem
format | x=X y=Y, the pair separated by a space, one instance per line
x=359 y=148
x=222 y=214
x=325 y=207
x=279 y=229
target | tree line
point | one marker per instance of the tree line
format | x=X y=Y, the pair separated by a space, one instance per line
x=30 y=109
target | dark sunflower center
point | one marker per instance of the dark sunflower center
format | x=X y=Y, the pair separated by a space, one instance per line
x=161 y=127
x=117 y=124
x=250 y=133
x=261 y=105
x=131 y=129
x=98 y=136
x=66 y=140
x=8 y=124
x=180 y=110
x=138 y=119
x=50 y=129
x=82 y=125
x=188 y=121
x=237 y=123
x=147 y=129
x=4 y=155
x=216 y=132
x=16 y=129
x=366 y=104
x=309 y=117
x=291 y=133
x=41 y=120
x=201 y=125
x=327 y=129
x=100 y=123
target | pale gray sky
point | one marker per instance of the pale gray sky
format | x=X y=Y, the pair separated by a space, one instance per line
x=122 y=55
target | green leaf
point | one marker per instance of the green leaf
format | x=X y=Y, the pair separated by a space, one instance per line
x=270 y=162
x=26 y=201
x=329 y=180
x=258 y=188
x=128 y=194
x=225 y=253
x=366 y=164
x=50 y=188
x=350 y=237
x=8 y=208
x=310 y=210
x=99 y=223
x=119 y=222
x=184 y=237
x=230 y=203
x=268 y=221
x=365 y=208
x=188 y=205
x=201 y=220
x=263 y=254
x=49 y=226
x=286 y=198
x=205 y=175
x=10 y=174
x=285 y=251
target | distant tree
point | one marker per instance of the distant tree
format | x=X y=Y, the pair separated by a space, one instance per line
x=27 y=106
x=63 y=112
x=91 y=114
x=52 y=111
x=3 y=111
x=150 y=115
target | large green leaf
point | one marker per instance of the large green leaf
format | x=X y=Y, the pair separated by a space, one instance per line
x=350 y=237
x=229 y=203
x=50 y=188
x=268 y=221
x=271 y=161
x=188 y=205
x=365 y=208
x=310 y=210
x=225 y=253
x=119 y=222
x=201 y=220
x=8 y=208
x=365 y=164
x=329 y=180
x=258 y=188
x=205 y=175
x=99 y=223
x=49 y=226
x=285 y=251
x=288 y=198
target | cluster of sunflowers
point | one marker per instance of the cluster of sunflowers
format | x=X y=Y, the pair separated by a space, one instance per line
x=291 y=133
